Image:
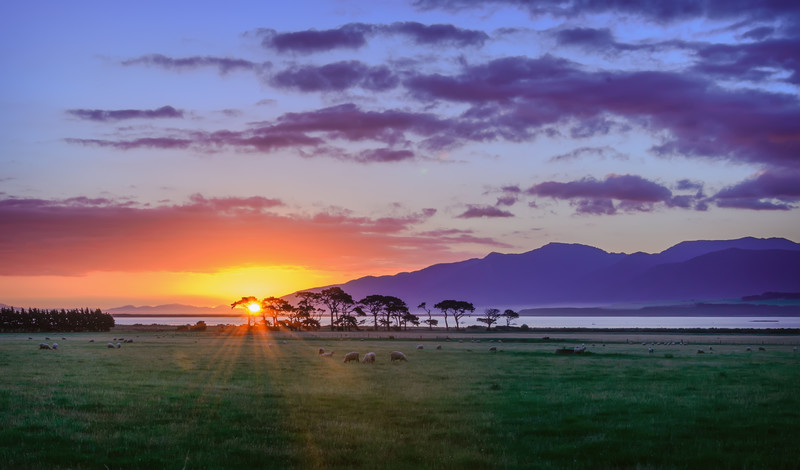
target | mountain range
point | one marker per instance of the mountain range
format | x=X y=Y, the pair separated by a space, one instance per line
x=580 y=275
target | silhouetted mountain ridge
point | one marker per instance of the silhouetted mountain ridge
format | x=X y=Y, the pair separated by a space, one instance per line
x=575 y=274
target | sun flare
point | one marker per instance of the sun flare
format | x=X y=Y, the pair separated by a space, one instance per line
x=254 y=307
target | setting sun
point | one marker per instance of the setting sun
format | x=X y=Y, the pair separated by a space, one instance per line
x=254 y=307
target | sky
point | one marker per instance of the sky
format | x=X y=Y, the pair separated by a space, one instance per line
x=196 y=152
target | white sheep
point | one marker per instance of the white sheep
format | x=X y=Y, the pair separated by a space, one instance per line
x=327 y=354
x=55 y=346
x=129 y=340
x=321 y=351
x=650 y=350
x=419 y=346
x=111 y=346
x=119 y=345
x=351 y=356
x=44 y=346
x=369 y=358
x=397 y=356
x=493 y=349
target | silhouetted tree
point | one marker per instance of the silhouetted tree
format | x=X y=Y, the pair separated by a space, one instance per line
x=510 y=316
x=338 y=303
x=431 y=322
x=245 y=303
x=275 y=308
x=491 y=315
x=373 y=305
x=456 y=308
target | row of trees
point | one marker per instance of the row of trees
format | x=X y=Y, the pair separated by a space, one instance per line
x=42 y=320
x=345 y=313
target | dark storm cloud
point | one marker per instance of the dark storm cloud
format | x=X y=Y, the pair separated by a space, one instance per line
x=336 y=76
x=105 y=115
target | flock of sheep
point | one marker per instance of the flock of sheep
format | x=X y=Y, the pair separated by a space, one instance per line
x=369 y=358
x=111 y=345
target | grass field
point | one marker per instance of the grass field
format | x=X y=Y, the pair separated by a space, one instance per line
x=210 y=401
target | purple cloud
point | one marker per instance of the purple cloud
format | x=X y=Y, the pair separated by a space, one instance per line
x=336 y=76
x=349 y=36
x=770 y=190
x=654 y=10
x=620 y=187
x=385 y=155
x=223 y=64
x=477 y=211
x=144 y=142
x=438 y=34
x=104 y=115
x=751 y=61
x=515 y=97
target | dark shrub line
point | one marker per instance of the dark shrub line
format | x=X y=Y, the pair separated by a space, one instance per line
x=35 y=320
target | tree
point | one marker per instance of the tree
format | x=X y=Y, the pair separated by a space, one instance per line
x=248 y=303
x=491 y=315
x=510 y=316
x=431 y=322
x=373 y=305
x=456 y=308
x=338 y=303
x=307 y=313
x=275 y=307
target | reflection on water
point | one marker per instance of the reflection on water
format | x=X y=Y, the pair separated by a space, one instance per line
x=533 y=321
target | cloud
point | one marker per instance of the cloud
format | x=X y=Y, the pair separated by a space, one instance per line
x=354 y=36
x=514 y=98
x=653 y=10
x=336 y=76
x=384 y=155
x=592 y=196
x=477 y=211
x=223 y=64
x=349 y=36
x=80 y=235
x=104 y=115
x=769 y=190
x=437 y=34
x=755 y=62
x=144 y=142
x=580 y=152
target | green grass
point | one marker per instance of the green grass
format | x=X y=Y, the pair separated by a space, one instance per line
x=201 y=400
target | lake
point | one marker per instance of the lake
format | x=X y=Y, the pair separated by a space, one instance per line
x=532 y=321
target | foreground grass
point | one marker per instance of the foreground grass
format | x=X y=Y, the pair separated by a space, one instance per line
x=200 y=400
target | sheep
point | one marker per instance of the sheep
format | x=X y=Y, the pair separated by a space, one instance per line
x=700 y=351
x=111 y=346
x=351 y=356
x=580 y=349
x=419 y=346
x=326 y=354
x=91 y=341
x=129 y=340
x=119 y=345
x=47 y=338
x=440 y=347
x=369 y=358
x=55 y=346
x=493 y=349
x=749 y=349
x=44 y=346
x=321 y=351
x=650 y=350
x=794 y=349
x=761 y=348
x=397 y=356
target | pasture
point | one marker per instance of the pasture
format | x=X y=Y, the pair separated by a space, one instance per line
x=215 y=400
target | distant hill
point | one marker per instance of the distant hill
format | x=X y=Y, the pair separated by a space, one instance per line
x=574 y=274
x=173 y=309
